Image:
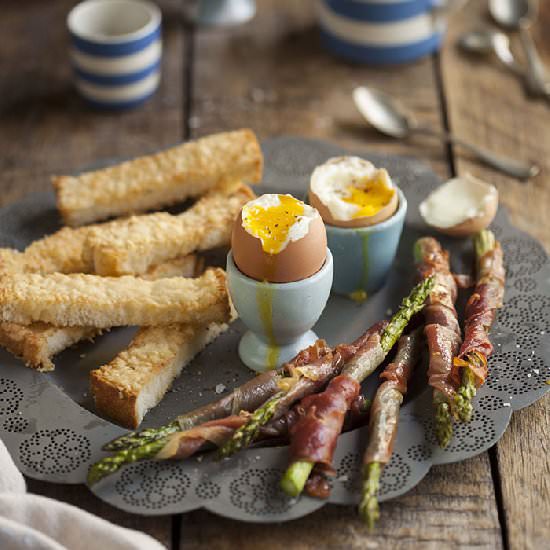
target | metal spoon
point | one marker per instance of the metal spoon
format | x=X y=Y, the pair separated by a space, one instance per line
x=388 y=117
x=518 y=15
x=488 y=41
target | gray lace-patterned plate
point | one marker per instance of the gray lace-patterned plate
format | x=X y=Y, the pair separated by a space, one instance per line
x=49 y=425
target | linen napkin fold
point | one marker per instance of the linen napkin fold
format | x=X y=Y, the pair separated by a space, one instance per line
x=32 y=522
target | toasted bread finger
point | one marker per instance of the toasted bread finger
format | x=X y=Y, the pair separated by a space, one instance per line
x=141 y=241
x=103 y=302
x=151 y=182
x=37 y=344
x=138 y=377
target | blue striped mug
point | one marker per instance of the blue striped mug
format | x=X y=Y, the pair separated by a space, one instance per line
x=116 y=51
x=383 y=31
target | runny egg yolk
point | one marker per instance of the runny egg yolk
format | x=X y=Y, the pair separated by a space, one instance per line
x=370 y=197
x=272 y=225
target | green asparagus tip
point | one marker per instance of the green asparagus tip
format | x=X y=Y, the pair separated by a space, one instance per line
x=463 y=398
x=295 y=477
x=368 y=507
x=483 y=242
x=136 y=439
x=111 y=464
x=443 y=424
x=245 y=435
x=410 y=305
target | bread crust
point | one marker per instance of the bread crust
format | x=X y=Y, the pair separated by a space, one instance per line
x=154 y=181
x=138 y=377
x=104 y=302
x=141 y=241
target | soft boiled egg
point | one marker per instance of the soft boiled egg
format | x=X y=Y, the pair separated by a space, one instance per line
x=461 y=206
x=352 y=192
x=279 y=239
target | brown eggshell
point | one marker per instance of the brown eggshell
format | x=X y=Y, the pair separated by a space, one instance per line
x=299 y=260
x=471 y=226
x=380 y=216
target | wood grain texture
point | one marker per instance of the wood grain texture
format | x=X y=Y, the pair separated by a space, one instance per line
x=452 y=508
x=46 y=128
x=488 y=106
x=273 y=76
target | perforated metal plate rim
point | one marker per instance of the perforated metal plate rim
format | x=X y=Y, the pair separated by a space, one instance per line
x=53 y=438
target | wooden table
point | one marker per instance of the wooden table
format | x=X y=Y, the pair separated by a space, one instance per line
x=272 y=75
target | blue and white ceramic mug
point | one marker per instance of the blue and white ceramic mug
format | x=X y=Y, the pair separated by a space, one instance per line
x=383 y=31
x=116 y=51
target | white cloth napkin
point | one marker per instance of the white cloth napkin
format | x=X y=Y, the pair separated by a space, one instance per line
x=32 y=522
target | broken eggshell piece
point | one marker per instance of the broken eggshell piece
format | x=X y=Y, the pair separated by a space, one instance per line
x=461 y=206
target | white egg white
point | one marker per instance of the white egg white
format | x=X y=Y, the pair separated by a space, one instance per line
x=458 y=200
x=331 y=181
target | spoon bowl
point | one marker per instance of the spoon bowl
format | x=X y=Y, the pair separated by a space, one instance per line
x=510 y=13
x=487 y=42
x=382 y=112
x=390 y=118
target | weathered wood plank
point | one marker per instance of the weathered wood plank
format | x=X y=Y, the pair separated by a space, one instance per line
x=488 y=106
x=272 y=75
x=452 y=508
x=46 y=128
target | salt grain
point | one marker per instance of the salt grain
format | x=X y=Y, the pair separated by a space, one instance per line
x=220 y=388
x=536 y=371
x=506 y=404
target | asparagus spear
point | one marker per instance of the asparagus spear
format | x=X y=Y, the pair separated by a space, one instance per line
x=442 y=331
x=480 y=315
x=384 y=419
x=296 y=475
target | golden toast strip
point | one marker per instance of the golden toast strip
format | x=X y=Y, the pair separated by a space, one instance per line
x=37 y=344
x=185 y=266
x=138 y=377
x=104 y=302
x=62 y=251
x=151 y=182
x=141 y=241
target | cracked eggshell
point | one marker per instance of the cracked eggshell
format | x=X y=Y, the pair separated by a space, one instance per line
x=460 y=207
x=298 y=260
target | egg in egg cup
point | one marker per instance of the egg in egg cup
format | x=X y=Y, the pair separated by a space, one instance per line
x=364 y=214
x=279 y=276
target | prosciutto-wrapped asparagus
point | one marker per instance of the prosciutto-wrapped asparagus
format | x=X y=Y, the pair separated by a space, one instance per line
x=313 y=438
x=470 y=366
x=182 y=445
x=384 y=417
x=294 y=387
x=442 y=331
x=308 y=371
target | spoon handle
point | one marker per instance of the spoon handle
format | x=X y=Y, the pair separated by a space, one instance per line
x=508 y=166
x=537 y=75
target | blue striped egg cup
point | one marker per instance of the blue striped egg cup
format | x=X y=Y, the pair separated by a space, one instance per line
x=363 y=256
x=382 y=31
x=116 y=50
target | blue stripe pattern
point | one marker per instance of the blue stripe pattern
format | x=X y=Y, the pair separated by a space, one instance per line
x=381 y=55
x=117 y=80
x=119 y=105
x=381 y=32
x=114 y=49
x=378 y=12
